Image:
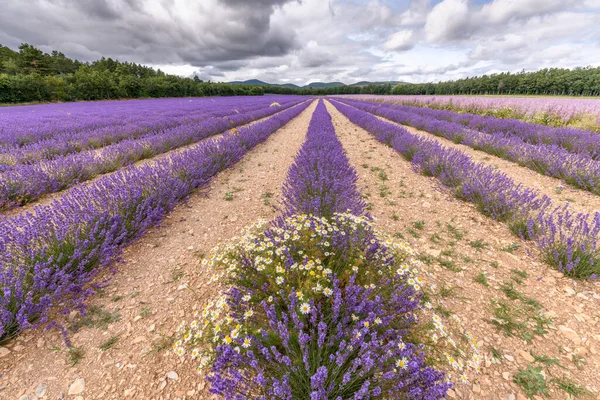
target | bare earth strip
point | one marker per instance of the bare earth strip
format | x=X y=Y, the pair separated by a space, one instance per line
x=148 y=292
x=458 y=243
x=557 y=190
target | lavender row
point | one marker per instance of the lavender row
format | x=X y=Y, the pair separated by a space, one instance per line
x=324 y=329
x=578 y=170
x=557 y=111
x=136 y=126
x=21 y=125
x=26 y=183
x=321 y=181
x=568 y=240
x=49 y=257
x=575 y=141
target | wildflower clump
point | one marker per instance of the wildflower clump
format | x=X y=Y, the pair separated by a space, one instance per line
x=313 y=308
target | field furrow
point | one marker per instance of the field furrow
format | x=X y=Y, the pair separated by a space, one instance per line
x=155 y=286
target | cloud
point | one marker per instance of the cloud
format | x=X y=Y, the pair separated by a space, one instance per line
x=308 y=40
x=500 y=11
x=447 y=21
x=416 y=13
x=401 y=40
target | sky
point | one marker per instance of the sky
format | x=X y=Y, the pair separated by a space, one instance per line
x=302 y=41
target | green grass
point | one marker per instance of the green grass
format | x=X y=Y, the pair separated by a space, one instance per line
x=497 y=354
x=511 y=248
x=569 y=386
x=145 y=312
x=482 y=279
x=414 y=233
x=477 y=244
x=448 y=291
x=532 y=381
x=454 y=232
x=109 y=343
x=74 y=355
x=435 y=238
x=419 y=225
x=518 y=275
x=95 y=317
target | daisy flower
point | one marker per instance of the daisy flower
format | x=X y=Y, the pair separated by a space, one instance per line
x=305 y=308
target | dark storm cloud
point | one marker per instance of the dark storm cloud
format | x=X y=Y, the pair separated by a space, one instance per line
x=97 y=8
x=198 y=33
x=308 y=40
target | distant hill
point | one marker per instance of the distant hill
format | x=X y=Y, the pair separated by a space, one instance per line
x=249 y=82
x=366 y=83
x=322 y=85
x=316 y=85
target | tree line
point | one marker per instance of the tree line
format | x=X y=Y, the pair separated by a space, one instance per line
x=548 y=81
x=31 y=75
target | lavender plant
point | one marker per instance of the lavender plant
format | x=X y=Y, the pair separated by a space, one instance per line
x=321 y=180
x=313 y=307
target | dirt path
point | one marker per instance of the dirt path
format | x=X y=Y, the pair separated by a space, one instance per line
x=468 y=251
x=147 y=297
x=557 y=190
x=48 y=198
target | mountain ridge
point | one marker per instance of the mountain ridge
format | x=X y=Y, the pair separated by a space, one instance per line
x=316 y=85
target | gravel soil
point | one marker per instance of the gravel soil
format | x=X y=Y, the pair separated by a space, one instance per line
x=159 y=282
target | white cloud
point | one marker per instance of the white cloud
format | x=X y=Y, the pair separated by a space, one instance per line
x=447 y=21
x=500 y=11
x=401 y=40
x=315 y=40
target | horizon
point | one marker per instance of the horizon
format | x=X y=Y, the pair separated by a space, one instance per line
x=301 y=42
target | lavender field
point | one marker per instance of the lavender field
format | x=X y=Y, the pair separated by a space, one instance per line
x=582 y=113
x=297 y=247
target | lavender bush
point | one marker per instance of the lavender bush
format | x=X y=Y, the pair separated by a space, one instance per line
x=317 y=308
x=321 y=180
x=48 y=257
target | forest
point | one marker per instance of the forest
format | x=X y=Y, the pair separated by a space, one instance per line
x=548 y=81
x=31 y=75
